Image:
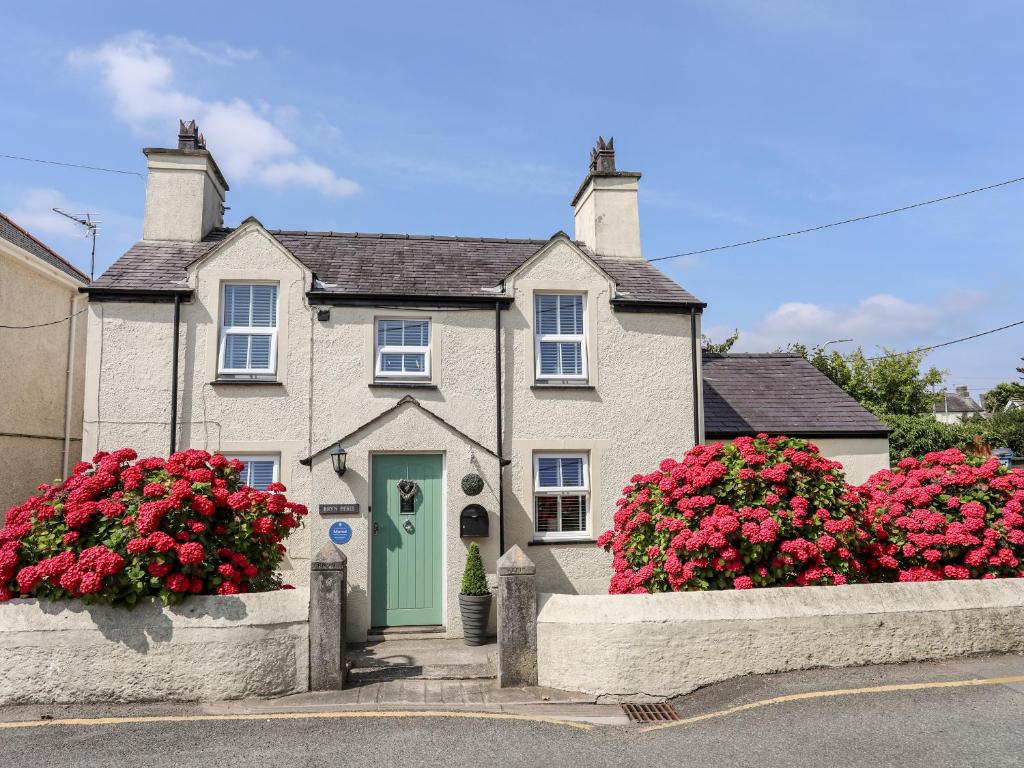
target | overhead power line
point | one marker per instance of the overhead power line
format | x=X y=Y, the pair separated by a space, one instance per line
x=72 y=165
x=947 y=343
x=42 y=325
x=840 y=223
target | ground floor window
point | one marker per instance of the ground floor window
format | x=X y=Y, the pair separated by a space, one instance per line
x=259 y=471
x=561 y=495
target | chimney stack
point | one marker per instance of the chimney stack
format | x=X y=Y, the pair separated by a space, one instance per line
x=185 y=190
x=607 y=215
x=963 y=391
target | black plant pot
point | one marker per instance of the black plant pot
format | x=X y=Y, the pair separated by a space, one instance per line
x=476 y=609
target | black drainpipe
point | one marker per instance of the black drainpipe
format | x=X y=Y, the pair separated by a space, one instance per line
x=498 y=427
x=174 y=373
x=693 y=363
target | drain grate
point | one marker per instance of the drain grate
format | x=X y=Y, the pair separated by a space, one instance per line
x=650 y=713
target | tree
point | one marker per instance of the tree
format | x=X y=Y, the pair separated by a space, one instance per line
x=719 y=349
x=996 y=398
x=892 y=383
x=917 y=435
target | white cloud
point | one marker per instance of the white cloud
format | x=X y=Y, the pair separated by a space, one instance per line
x=35 y=213
x=247 y=143
x=878 y=320
x=309 y=174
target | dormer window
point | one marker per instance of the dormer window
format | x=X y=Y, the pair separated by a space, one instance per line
x=560 y=343
x=402 y=349
x=248 y=334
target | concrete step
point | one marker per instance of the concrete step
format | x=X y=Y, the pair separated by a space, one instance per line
x=429 y=632
x=413 y=658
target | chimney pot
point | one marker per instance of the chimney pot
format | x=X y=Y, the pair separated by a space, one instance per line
x=189 y=136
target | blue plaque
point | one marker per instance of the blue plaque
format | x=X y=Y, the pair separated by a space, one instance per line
x=340 y=532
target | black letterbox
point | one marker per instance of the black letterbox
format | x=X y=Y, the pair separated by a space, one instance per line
x=473 y=522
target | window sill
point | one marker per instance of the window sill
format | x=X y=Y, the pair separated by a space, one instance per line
x=401 y=385
x=248 y=382
x=536 y=387
x=550 y=542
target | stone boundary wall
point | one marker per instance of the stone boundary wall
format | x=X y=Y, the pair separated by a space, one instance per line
x=670 y=644
x=207 y=648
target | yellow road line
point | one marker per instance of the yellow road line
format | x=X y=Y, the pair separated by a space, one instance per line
x=291 y=716
x=835 y=692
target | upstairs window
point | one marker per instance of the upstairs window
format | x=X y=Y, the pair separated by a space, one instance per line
x=561 y=494
x=402 y=349
x=259 y=471
x=248 y=336
x=560 y=344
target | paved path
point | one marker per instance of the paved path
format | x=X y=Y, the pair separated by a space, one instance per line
x=958 y=713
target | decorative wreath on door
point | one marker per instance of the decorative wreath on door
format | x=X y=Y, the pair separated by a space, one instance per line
x=407 y=489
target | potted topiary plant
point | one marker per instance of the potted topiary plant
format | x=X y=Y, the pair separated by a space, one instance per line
x=474 y=599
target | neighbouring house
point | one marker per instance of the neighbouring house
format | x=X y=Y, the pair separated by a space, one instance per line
x=1014 y=405
x=956 y=407
x=782 y=393
x=417 y=392
x=42 y=345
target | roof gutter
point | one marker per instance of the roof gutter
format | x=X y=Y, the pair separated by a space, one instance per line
x=658 y=307
x=330 y=298
x=146 y=296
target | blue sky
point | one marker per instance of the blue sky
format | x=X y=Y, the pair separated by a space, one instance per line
x=746 y=119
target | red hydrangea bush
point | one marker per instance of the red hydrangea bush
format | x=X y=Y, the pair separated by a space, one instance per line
x=947 y=516
x=121 y=528
x=761 y=512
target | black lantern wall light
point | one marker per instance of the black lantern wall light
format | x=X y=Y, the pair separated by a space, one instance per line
x=339 y=458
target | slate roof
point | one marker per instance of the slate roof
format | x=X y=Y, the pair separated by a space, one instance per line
x=780 y=394
x=953 y=402
x=22 y=238
x=361 y=264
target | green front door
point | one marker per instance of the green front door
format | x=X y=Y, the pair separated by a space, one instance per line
x=406 y=533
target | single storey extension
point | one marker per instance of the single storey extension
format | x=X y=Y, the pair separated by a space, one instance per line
x=783 y=394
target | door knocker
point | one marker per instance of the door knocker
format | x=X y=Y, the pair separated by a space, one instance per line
x=407 y=490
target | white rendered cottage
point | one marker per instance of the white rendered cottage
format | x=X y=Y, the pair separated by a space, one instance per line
x=552 y=369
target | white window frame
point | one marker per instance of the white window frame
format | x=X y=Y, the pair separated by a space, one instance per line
x=539 y=337
x=560 y=492
x=248 y=330
x=274 y=457
x=379 y=351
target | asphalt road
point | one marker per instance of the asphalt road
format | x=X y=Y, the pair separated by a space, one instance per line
x=969 y=725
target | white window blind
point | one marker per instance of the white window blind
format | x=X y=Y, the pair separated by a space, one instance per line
x=402 y=349
x=248 y=342
x=561 y=495
x=560 y=342
x=259 y=471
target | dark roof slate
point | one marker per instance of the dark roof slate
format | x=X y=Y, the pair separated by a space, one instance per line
x=13 y=233
x=385 y=264
x=953 y=402
x=780 y=394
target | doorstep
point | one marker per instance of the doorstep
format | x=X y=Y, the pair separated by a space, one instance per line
x=414 y=657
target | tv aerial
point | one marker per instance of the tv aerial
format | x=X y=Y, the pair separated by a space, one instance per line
x=91 y=225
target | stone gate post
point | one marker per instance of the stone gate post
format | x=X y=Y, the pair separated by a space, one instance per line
x=517 y=619
x=327 y=595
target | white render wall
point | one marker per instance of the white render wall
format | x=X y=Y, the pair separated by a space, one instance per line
x=861 y=457
x=671 y=644
x=209 y=648
x=639 y=410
